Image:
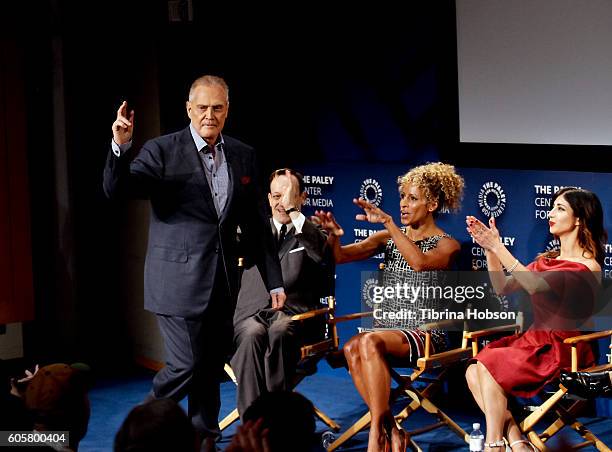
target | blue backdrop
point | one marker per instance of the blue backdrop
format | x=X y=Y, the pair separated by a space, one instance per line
x=519 y=200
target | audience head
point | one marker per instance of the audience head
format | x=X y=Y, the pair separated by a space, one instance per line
x=57 y=399
x=13 y=413
x=289 y=417
x=281 y=180
x=433 y=187
x=587 y=214
x=159 y=425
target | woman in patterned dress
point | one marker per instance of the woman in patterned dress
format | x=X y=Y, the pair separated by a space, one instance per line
x=563 y=285
x=418 y=246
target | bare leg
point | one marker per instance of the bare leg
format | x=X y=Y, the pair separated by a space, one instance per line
x=511 y=429
x=473 y=381
x=377 y=379
x=496 y=406
x=352 y=353
x=514 y=434
x=353 y=358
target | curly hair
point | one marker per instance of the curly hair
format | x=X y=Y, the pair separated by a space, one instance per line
x=438 y=182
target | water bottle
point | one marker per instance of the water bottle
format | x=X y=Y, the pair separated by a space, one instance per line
x=327 y=438
x=476 y=438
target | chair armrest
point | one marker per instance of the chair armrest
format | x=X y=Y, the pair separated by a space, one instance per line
x=444 y=358
x=573 y=341
x=491 y=331
x=587 y=337
x=345 y=318
x=310 y=314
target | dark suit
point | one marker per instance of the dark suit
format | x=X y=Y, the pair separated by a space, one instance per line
x=267 y=342
x=191 y=276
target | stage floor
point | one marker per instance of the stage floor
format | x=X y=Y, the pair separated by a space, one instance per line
x=331 y=390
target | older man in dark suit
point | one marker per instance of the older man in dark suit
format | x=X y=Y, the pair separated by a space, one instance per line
x=202 y=185
x=267 y=340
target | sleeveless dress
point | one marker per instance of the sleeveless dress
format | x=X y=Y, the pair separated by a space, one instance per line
x=398 y=271
x=523 y=364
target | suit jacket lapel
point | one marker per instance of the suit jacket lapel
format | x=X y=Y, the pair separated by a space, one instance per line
x=232 y=161
x=190 y=155
x=287 y=243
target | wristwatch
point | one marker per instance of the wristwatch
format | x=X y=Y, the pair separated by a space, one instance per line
x=292 y=209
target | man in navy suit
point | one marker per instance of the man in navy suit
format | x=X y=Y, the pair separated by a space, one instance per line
x=202 y=185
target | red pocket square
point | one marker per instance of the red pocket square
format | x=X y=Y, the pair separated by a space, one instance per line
x=245 y=180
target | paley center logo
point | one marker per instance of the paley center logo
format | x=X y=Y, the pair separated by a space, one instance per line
x=371 y=191
x=553 y=245
x=367 y=291
x=492 y=199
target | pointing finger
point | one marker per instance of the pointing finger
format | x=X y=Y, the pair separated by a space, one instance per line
x=122 y=109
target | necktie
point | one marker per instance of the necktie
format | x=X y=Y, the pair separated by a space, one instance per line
x=282 y=234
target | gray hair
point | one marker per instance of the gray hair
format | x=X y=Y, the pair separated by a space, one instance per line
x=209 y=80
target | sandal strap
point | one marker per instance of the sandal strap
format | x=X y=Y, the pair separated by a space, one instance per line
x=498 y=443
x=524 y=441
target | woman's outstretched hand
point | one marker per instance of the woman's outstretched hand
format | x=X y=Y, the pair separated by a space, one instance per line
x=372 y=213
x=328 y=222
x=487 y=237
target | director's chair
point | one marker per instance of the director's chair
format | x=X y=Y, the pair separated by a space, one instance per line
x=559 y=403
x=440 y=363
x=432 y=370
x=310 y=354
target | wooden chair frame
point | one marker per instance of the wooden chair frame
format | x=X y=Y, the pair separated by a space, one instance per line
x=315 y=351
x=419 y=398
x=564 y=416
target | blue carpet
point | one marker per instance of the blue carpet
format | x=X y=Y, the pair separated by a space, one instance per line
x=330 y=389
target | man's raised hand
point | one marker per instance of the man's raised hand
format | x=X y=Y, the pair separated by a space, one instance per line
x=291 y=193
x=123 y=126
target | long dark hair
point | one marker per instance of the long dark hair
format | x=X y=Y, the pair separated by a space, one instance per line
x=591 y=233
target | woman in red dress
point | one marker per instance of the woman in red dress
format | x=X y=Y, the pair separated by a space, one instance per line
x=562 y=285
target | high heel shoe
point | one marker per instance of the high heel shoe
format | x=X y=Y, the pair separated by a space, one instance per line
x=494 y=445
x=381 y=443
x=398 y=438
x=387 y=425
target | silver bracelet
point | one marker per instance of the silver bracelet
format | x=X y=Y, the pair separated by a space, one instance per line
x=513 y=266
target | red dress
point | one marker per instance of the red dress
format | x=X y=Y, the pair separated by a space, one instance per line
x=523 y=364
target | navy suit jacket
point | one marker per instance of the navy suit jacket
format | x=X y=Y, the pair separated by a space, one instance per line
x=187 y=239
